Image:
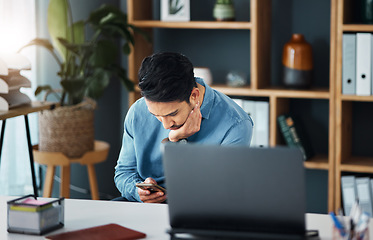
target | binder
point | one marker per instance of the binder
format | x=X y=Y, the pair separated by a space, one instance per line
x=262 y=123
x=349 y=64
x=363 y=64
x=364 y=192
x=349 y=193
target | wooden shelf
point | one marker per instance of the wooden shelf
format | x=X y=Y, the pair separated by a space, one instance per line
x=357 y=98
x=273 y=91
x=344 y=125
x=357 y=27
x=358 y=164
x=318 y=162
x=192 y=24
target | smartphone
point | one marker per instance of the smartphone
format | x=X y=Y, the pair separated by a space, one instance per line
x=151 y=187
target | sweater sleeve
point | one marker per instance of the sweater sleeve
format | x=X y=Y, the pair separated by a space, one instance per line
x=126 y=173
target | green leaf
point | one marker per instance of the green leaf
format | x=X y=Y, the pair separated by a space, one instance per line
x=105 y=53
x=98 y=82
x=122 y=74
x=126 y=49
x=96 y=16
x=78 y=32
x=75 y=88
x=58 y=21
x=40 y=89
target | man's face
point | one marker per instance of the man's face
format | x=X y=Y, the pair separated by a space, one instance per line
x=172 y=114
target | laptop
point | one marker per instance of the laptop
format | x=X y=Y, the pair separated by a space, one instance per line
x=235 y=191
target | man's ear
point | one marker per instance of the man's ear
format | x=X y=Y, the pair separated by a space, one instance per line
x=194 y=96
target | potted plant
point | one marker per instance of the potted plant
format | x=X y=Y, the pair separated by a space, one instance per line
x=87 y=64
x=224 y=10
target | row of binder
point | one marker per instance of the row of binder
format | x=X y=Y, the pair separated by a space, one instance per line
x=354 y=188
x=357 y=55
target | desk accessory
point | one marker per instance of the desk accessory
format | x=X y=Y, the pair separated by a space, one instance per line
x=30 y=215
x=353 y=227
x=103 y=232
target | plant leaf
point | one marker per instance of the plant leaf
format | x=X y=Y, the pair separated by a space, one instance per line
x=105 y=53
x=78 y=31
x=98 y=82
x=58 y=24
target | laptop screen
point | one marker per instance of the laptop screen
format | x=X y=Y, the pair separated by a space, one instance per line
x=235 y=188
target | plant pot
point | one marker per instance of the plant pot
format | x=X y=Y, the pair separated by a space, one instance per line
x=224 y=12
x=297 y=62
x=68 y=129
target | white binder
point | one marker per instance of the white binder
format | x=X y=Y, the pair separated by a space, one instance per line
x=363 y=64
x=364 y=193
x=349 y=64
x=348 y=193
x=262 y=123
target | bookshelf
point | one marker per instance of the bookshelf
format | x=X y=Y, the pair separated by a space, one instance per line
x=140 y=14
x=349 y=160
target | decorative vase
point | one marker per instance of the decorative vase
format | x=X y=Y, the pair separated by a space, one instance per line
x=297 y=62
x=224 y=10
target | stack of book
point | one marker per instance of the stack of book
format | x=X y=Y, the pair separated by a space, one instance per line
x=32 y=216
x=11 y=81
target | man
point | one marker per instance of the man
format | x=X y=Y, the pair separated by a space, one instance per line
x=175 y=107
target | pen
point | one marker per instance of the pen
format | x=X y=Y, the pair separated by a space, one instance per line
x=337 y=224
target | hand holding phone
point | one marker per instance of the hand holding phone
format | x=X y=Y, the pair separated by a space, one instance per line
x=151 y=187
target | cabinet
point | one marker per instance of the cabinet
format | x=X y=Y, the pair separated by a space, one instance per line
x=350 y=110
x=140 y=14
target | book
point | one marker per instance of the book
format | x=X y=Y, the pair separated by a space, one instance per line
x=104 y=232
x=349 y=63
x=363 y=64
x=349 y=193
x=294 y=136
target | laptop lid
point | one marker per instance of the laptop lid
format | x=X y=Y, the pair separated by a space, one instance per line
x=235 y=188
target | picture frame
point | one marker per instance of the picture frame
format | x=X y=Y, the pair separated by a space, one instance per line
x=175 y=10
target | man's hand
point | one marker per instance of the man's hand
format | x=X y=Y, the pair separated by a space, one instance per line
x=190 y=127
x=147 y=197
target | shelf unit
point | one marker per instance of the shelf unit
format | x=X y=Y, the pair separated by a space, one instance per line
x=346 y=161
x=140 y=15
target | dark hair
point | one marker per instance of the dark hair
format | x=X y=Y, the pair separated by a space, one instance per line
x=166 y=77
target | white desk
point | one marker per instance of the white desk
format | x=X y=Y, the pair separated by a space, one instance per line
x=151 y=219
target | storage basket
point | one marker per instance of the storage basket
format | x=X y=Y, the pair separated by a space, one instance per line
x=68 y=129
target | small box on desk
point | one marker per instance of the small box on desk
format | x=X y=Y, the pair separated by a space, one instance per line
x=30 y=215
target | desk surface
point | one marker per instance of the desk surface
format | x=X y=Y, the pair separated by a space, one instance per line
x=26 y=109
x=151 y=219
